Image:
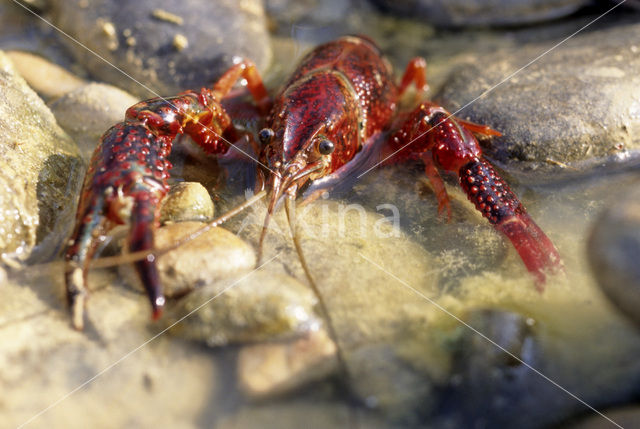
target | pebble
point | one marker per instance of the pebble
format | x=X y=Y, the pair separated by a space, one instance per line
x=259 y=306
x=272 y=369
x=89 y=111
x=49 y=80
x=187 y=201
x=208 y=259
x=571 y=111
x=162 y=47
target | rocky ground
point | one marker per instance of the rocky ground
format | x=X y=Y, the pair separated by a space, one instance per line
x=432 y=322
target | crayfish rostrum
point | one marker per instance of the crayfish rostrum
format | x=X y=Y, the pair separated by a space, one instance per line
x=326 y=119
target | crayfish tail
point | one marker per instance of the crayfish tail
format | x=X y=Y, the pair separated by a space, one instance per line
x=494 y=199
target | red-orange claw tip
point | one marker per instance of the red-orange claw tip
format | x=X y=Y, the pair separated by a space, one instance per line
x=158 y=307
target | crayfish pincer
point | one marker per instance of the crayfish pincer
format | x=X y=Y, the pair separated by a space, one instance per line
x=324 y=124
x=128 y=172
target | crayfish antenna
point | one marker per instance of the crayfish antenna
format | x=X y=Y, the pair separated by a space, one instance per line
x=276 y=193
x=112 y=261
x=291 y=218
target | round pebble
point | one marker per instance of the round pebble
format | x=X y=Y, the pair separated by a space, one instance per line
x=187 y=201
x=258 y=306
x=214 y=255
x=89 y=111
x=270 y=369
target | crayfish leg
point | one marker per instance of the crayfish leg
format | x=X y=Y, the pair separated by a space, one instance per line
x=248 y=71
x=476 y=128
x=438 y=185
x=416 y=73
x=494 y=199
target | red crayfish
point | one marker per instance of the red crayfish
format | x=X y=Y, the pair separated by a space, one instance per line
x=325 y=118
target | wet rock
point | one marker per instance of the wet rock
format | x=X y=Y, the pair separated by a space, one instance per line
x=465 y=245
x=613 y=251
x=89 y=111
x=308 y=12
x=295 y=414
x=574 y=109
x=258 y=306
x=491 y=369
x=49 y=80
x=211 y=257
x=460 y=13
x=42 y=358
x=511 y=335
x=166 y=46
x=626 y=417
x=342 y=245
x=187 y=201
x=270 y=369
x=40 y=167
x=385 y=381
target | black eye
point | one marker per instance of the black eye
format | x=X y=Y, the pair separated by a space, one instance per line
x=265 y=135
x=326 y=147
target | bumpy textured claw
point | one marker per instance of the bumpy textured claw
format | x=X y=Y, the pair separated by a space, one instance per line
x=495 y=200
x=439 y=139
x=127 y=177
x=125 y=182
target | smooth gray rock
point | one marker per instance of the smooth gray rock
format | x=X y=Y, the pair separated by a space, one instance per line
x=166 y=46
x=258 y=306
x=458 y=13
x=574 y=109
x=89 y=111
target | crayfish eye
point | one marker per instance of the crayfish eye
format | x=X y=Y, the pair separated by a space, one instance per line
x=326 y=147
x=265 y=135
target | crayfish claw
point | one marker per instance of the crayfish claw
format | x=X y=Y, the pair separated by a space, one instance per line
x=78 y=256
x=144 y=212
x=76 y=296
x=495 y=200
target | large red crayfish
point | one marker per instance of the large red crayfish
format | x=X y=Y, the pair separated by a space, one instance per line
x=325 y=118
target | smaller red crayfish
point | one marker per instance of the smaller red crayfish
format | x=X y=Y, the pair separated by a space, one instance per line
x=326 y=120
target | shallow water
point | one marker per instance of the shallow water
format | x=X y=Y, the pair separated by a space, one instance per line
x=414 y=363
